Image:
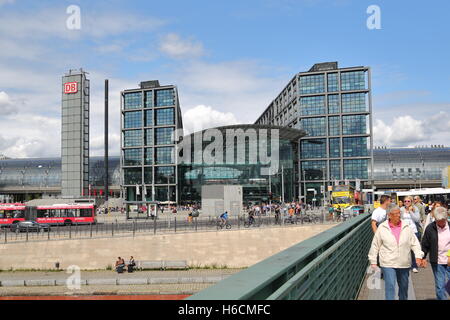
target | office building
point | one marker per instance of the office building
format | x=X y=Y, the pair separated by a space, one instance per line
x=333 y=105
x=149 y=116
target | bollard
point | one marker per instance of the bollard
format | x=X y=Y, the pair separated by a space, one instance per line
x=175 y=224
x=90 y=227
x=27 y=234
x=112 y=229
x=48 y=233
x=195 y=223
x=134 y=228
x=70 y=231
x=154 y=226
x=6 y=236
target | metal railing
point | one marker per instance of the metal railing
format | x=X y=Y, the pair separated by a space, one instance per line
x=331 y=266
x=165 y=225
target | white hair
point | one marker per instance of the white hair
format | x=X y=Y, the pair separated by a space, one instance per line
x=440 y=213
x=392 y=207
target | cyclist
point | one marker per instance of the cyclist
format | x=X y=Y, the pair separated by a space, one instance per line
x=224 y=217
x=251 y=217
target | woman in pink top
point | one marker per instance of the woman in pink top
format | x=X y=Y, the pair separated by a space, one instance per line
x=393 y=242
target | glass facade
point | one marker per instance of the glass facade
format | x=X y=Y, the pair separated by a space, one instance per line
x=132 y=100
x=164 y=136
x=335 y=147
x=148 y=99
x=165 y=116
x=356 y=169
x=148 y=159
x=165 y=175
x=132 y=138
x=354 y=124
x=333 y=84
x=148 y=137
x=312 y=84
x=333 y=104
x=132 y=175
x=354 y=102
x=313 y=148
x=314 y=170
x=335 y=170
x=132 y=157
x=148 y=118
x=165 y=97
x=353 y=80
x=165 y=155
x=355 y=147
x=132 y=119
x=314 y=126
x=334 y=127
x=311 y=106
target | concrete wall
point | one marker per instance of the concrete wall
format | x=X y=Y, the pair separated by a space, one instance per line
x=234 y=248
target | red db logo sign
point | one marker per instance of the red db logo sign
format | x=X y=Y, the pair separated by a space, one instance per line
x=71 y=87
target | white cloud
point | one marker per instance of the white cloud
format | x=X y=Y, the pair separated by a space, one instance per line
x=203 y=117
x=3 y=2
x=176 y=47
x=406 y=131
x=6 y=104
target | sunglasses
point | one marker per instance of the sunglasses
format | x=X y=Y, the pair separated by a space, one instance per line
x=407 y=201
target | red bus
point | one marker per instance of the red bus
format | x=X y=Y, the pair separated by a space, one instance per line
x=11 y=213
x=66 y=214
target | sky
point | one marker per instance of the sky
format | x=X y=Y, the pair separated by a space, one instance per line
x=229 y=60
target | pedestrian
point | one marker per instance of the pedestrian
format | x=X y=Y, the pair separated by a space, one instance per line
x=379 y=214
x=430 y=216
x=131 y=265
x=393 y=242
x=120 y=264
x=411 y=216
x=436 y=242
x=400 y=203
x=419 y=205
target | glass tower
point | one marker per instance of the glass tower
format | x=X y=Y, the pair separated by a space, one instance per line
x=150 y=115
x=333 y=105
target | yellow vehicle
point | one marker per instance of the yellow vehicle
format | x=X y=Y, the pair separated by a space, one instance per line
x=343 y=196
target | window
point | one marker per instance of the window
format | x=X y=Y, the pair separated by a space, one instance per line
x=162 y=173
x=353 y=80
x=148 y=118
x=333 y=103
x=148 y=99
x=312 y=105
x=355 y=147
x=312 y=84
x=333 y=82
x=164 y=136
x=132 y=176
x=165 y=97
x=149 y=137
x=148 y=178
x=333 y=126
x=354 y=124
x=132 y=119
x=148 y=156
x=132 y=100
x=314 y=126
x=132 y=157
x=132 y=138
x=313 y=148
x=165 y=116
x=314 y=170
x=335 y=147
x=354 y=102
x=335 y=170
x=356 y=169
x=165 y=155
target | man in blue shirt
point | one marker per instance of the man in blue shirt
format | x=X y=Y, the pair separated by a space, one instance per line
x=224 y=217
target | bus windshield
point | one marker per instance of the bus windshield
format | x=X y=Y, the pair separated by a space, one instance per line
x=342 y=200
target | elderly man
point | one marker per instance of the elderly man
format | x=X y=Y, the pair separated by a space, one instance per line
x=393 y=242
x=436 y=241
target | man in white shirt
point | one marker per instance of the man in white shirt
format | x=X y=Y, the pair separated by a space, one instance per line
x=379 y=214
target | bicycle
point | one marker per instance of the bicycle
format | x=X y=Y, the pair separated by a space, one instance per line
x=291 y=219
x=310 y=218
x=221 y=224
